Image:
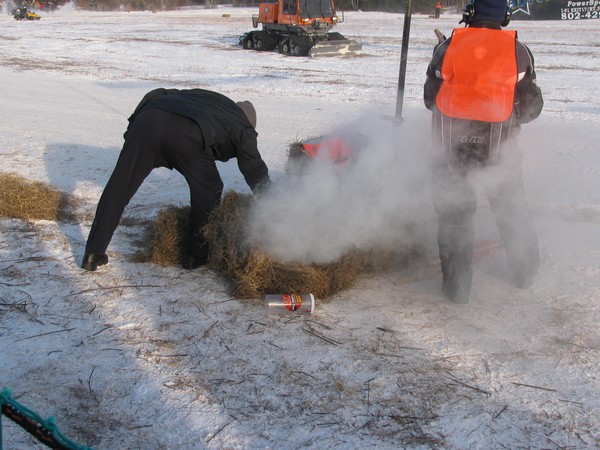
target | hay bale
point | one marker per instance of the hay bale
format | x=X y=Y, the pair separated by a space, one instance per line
x=23 y=199
x=167 y=236
x=253 y=272
x=262 y=274
x=226 y=233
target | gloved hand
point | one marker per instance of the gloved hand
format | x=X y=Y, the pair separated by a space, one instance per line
x=262 y=188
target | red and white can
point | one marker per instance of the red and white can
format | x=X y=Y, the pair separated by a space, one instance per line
x=290 y=303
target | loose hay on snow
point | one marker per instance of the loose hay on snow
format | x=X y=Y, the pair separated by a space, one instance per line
x=253 y=272
x=24 y=199
x=168 y=236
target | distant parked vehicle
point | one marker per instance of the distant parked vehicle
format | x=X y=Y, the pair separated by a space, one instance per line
x=22 y=13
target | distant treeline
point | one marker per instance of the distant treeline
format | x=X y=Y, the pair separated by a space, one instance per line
x=418 y=6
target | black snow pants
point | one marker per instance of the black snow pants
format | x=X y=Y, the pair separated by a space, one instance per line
x=455 y=203
x=159 y=138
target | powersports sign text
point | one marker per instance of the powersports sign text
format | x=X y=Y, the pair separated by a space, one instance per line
x=555 y=9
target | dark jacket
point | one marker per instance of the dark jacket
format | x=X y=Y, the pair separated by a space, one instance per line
x=528 y=101
x=226 y=130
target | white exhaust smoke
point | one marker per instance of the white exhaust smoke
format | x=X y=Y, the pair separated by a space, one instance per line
x=379 y=200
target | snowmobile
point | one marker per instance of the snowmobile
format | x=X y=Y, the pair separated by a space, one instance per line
x=298 y=28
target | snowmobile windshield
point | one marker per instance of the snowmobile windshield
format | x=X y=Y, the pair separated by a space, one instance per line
x=310 y=9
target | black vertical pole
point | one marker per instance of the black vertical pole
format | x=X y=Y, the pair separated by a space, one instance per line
x=403 y=58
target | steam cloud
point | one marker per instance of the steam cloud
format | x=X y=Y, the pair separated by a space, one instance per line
x=379 y=200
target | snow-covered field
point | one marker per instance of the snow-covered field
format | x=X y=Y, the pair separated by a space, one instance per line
x=135 y=356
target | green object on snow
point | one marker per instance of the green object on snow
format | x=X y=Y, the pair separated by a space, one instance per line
x=46 y=431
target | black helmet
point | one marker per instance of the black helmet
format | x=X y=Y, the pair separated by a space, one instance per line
x=496 y=11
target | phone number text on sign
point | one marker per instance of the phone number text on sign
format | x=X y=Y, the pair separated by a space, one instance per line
x=581 y=10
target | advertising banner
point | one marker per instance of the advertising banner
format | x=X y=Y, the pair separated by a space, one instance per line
x=555 y=9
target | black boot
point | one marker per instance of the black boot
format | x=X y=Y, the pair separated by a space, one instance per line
x=457 y=287
x=522 y=250
x=522 y=273
x=91 y=261
x=191 y=262
x=198 y=255
x=517 y=229
x=456 y=251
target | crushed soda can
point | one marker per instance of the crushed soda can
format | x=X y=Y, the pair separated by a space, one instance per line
x=287 y=303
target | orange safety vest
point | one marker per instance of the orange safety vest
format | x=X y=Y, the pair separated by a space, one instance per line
x=479 y=74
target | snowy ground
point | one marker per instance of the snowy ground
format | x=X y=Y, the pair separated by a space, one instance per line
x=137 y=356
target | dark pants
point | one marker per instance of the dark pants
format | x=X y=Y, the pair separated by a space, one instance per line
x=455 y=203
x=159 y=139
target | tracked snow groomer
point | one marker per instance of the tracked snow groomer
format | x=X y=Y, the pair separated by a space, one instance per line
x=298 y=28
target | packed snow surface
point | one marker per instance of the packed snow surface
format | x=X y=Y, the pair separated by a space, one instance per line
x=137 y=356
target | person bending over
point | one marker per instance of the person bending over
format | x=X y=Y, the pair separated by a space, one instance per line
x=186 y=130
